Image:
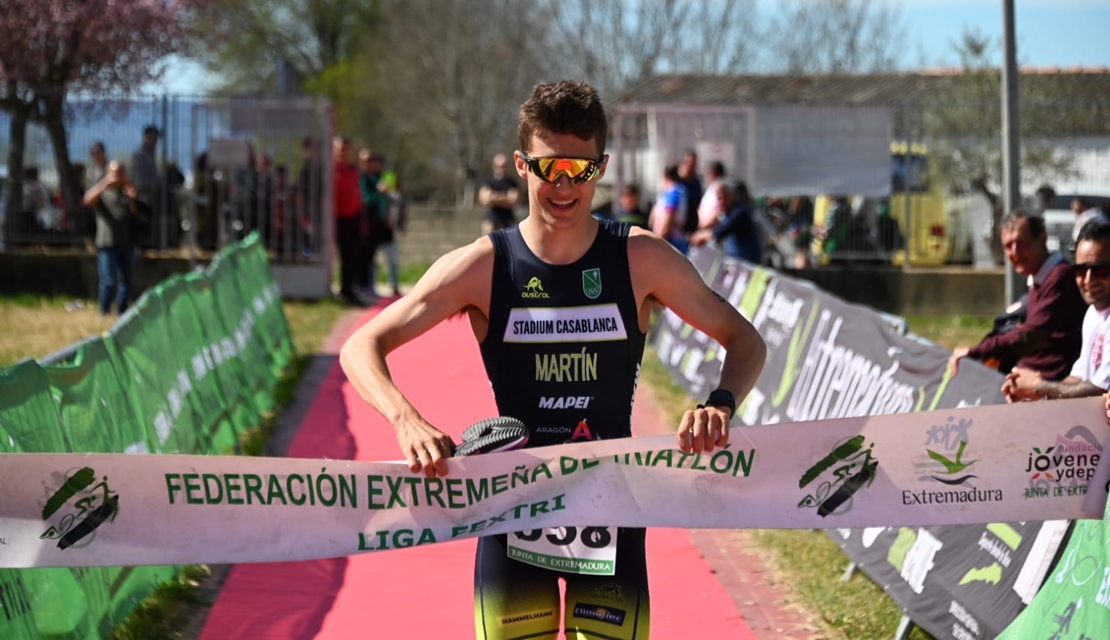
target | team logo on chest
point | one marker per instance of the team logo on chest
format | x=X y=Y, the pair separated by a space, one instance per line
x=591 y=283
x=534 y=289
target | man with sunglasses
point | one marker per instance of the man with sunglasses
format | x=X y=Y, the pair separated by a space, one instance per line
x=560 y=306
x=1047 y=341
x=1090 y=375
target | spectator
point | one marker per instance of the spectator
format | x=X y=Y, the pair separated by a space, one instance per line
x=375 y=207
x=350 y=233
x=1047 y=342
x=36 y=200
x=1044 y=198
x=1090 y=375
x=800 y=229
x=394 y=222
x=280 y=207
x=712 y=206
x=261 y=198
x=204 y=203
x=889 y=235
x=118 y=206
x=98 y=163
x=668 y=217
x=309 y=194
x=144 y=172
x=737 y=232
x=688 y=176
x=1085 y=212
x=500 y=195
x=631 y=208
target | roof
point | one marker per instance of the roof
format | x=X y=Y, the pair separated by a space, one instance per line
x=1084 y=85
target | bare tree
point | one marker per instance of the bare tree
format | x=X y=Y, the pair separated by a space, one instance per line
x=247 y=40
x=964 y=128
x=836 y=36
x=614 y=43
x=455 y=72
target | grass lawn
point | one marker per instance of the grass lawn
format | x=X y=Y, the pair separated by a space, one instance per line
x=808 y=560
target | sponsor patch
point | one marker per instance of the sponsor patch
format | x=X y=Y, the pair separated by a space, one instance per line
x=608 y=615
x=565 y=402
x=505 y=621
x=598 y=323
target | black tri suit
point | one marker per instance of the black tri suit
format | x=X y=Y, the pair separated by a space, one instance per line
x=563 y=354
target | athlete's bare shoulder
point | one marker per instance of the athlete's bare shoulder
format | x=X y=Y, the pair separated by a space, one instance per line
x=655 y=265
x=647 y=252
x=462 y=276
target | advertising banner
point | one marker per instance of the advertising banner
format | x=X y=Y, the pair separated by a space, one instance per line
x=830 y=359
x=166 y=378
x=1075 y=602
x=112 y=509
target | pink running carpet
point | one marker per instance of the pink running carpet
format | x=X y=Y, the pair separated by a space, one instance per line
x=427 y=592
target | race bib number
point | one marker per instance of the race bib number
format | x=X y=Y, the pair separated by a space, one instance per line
x=585 y=550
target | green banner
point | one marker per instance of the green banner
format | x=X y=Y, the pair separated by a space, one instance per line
x=92 y=402
x=221 y=354
x=193 y=347
x=1074 y=604
x=259 y=290
x=29 y=420
x=192 y=364
x=159 y=386
x=241 y=323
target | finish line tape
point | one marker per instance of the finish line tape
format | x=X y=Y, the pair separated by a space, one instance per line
x=1028 y=462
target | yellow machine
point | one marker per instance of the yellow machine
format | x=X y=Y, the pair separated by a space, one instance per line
x=916 y=203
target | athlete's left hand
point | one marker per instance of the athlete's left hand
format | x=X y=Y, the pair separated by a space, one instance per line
x=702 y=429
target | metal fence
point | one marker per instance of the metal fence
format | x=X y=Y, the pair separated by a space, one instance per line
x=909 y=183
x=221 y=167
x=877 y=184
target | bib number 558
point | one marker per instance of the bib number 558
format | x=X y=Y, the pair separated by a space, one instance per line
x=592 y=537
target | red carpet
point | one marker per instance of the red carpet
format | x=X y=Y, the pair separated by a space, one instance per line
x=426 y=592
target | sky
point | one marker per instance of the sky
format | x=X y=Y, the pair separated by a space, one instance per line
x=1050 y=34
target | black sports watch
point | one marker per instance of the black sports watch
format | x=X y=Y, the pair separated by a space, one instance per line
x=721 y=398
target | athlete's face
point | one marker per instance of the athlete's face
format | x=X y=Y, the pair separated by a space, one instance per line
x=560 y=203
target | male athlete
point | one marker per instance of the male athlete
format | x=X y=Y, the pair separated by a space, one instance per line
x=559 y=305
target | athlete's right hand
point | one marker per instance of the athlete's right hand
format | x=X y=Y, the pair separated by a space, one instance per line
x=425 y=447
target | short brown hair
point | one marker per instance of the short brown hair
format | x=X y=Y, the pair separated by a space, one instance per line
x=1035 y=223
x=563 y=107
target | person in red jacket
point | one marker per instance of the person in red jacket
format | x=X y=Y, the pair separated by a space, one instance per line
x=1049 y=339
x=349 y=229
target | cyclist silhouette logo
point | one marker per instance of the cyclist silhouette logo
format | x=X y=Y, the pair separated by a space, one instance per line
x=83 y=506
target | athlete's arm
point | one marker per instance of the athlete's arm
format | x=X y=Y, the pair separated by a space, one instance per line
x=457 y=282
x=661 y=273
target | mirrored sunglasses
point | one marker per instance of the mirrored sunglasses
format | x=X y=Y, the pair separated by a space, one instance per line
x=577 y=170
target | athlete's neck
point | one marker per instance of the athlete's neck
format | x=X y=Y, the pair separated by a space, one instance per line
x=559 y=244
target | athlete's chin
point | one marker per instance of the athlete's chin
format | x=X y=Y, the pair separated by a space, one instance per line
x=564 y=215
